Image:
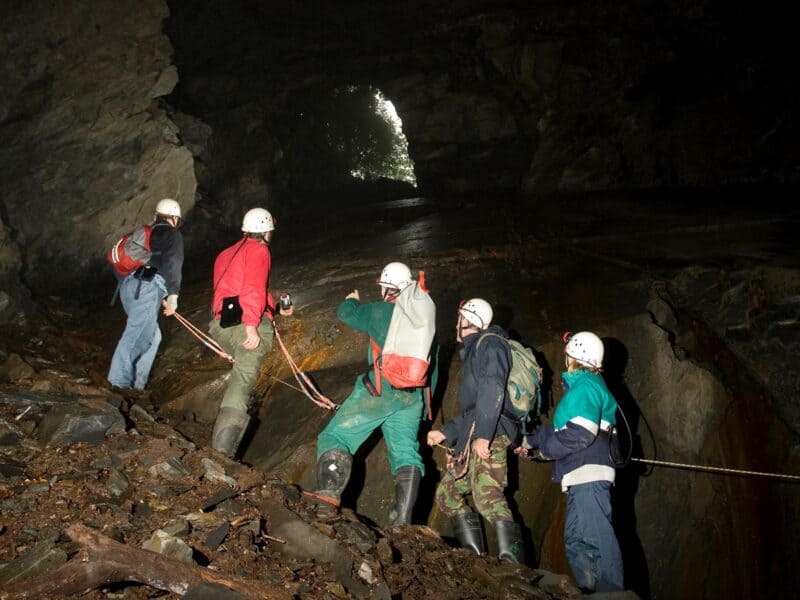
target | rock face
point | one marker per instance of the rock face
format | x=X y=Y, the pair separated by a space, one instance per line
x=12 y=292
x=88 y=149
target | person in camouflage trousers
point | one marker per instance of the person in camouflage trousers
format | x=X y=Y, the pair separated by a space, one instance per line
x=484 y=479
x=481 y=435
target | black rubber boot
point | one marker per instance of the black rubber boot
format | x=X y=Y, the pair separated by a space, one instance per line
x=469 y=531
x=229 y=430
x=509 y=541
x=406 y=488
x=333 y=473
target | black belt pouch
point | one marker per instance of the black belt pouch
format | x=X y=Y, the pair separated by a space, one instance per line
x=231 y=313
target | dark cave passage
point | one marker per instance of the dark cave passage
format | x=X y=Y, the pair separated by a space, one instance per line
x=625 y=169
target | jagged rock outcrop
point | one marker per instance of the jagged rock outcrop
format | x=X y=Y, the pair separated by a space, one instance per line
x=12 y=292
x=88 y=148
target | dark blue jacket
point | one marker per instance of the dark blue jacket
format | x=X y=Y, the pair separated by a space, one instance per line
x=482 y=393
x=166 y=244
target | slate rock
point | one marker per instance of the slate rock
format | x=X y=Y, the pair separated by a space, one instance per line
x=211 y=591
x=14 y=368
x=170 y=546
x=303 y=541
x=44 y=556
x=171 y=469
x=116 y=483
x=87 y=420
x=216 y=537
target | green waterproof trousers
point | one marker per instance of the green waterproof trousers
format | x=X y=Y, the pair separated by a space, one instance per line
x=248 y=362
x=396 y=412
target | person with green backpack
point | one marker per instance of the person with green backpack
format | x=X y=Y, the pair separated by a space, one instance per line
x=491 y=379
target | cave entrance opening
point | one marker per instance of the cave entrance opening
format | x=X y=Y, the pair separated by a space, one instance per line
x=346 y=135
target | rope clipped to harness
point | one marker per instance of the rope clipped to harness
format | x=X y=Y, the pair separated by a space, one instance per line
x=304 y=381
x=463 y=458
x=206 y=340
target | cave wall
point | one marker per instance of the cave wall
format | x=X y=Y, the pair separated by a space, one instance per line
x=519 y=96
x=88 y=148
x=12 y=293
x=693 y=403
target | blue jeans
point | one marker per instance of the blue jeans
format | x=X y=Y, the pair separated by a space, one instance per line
x=136 y=349
x=592 y=548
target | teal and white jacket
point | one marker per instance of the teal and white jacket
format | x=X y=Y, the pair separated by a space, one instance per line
x=578 y=438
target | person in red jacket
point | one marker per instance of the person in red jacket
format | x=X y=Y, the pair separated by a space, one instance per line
x=242 y=324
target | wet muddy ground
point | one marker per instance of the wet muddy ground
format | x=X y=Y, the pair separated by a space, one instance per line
x=572 y=263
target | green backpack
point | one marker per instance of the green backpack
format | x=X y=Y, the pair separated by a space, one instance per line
x=524 y=380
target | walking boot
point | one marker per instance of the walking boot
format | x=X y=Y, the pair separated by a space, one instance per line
x=469 y=531
x=229 y=430
x=509 y=541
x=406 y=488
x=333 y=473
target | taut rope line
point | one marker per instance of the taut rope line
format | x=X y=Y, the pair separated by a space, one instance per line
x=304 y=381
x=676 y=465
x=207 y=341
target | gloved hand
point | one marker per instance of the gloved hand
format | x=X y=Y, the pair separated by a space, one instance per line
x=170 y=304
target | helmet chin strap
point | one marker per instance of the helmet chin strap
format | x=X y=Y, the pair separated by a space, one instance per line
x=389 y=294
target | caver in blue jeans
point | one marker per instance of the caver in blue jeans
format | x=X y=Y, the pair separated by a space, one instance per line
x=136 y=349
x=592 y=548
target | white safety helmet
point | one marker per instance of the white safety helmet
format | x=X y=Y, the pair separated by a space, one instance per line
x=586 y=348
x=257 y=220
x=168 y=208
x=396 y=276
x=478 y=312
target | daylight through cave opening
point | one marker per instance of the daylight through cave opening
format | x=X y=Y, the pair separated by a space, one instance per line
x=346 y=133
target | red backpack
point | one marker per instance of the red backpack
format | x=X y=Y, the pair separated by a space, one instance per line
x=131 y=251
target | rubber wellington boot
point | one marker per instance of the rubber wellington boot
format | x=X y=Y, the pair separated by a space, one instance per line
x=509 y=541
x=469 y=531
x=229 y=430
x=406 y=488
x=333 y=473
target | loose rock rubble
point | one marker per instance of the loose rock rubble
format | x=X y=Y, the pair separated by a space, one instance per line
x=95 y=458
x=150 y=488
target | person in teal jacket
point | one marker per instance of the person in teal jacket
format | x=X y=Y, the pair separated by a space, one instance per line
x=397 y=412
x=578 y=442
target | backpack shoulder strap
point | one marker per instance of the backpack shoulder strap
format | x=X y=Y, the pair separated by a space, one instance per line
x=376 y=359
x=489 y=334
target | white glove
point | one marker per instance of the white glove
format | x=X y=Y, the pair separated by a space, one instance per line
x=172 y=301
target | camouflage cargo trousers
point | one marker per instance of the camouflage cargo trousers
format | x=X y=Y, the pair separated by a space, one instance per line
x=485 y=479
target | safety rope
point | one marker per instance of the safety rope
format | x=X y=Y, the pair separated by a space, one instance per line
x=304 y=381
x=664 y=463
x=207 y=341
x=464 y=457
